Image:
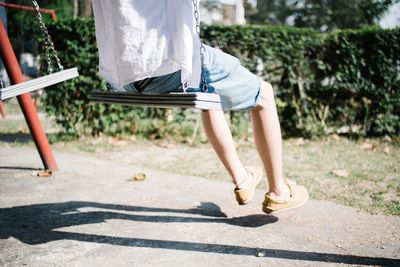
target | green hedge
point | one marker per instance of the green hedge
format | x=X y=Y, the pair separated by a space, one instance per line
x=344 y=81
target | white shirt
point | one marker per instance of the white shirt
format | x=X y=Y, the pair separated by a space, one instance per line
x=138 y=39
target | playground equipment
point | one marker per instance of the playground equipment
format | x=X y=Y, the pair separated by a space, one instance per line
x=45 y=81
x=20 y=87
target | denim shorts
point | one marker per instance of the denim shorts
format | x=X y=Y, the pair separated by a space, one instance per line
x=238 y=88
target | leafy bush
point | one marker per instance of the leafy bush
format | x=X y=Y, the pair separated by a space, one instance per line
x=345 y=81
x=323 y=81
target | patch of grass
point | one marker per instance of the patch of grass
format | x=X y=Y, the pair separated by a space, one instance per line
x=11 y=106
x=13 y=126
x=15 y=130
x=373 y=180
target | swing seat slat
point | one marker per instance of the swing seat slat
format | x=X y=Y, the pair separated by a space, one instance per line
x=204 y=101
x=38 y=83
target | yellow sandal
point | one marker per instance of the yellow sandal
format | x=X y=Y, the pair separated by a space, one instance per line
x=244 y=195
x=298 y=196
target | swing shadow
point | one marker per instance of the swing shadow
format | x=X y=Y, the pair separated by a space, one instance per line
x=22 y=138
x=19 y=168
x=35 y=224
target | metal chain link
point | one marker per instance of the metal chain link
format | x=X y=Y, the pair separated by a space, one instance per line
x=204 y=84
x=48 y=43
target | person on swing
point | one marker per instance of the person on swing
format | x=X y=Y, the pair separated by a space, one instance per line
x=152 y=47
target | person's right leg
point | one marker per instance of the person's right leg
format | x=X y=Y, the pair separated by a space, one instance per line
x=268 y=140
x=282 y=194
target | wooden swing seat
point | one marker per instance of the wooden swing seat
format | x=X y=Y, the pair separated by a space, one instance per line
x=204 y=101
x=38 y=83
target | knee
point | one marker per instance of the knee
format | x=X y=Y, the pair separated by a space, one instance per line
x=267 y=88
x=267 y=96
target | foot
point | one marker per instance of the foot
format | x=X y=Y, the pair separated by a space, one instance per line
x=298 y=195
x=244 y=192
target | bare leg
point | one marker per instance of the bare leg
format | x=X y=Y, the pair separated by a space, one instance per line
x=220 y=136
x=268 y=139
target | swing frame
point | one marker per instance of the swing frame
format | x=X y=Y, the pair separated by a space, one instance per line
x=25 y=100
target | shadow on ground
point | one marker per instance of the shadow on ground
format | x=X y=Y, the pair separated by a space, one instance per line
x=15 y=138
x=19 y=168
x=35 y=224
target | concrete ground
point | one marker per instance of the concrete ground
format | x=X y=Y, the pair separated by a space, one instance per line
x=89 y=213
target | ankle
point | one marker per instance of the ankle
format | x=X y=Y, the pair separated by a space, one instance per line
x=243 y=180
x=281 y=192
x=242 y=183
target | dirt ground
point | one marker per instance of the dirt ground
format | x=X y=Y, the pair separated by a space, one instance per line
x=91 y=213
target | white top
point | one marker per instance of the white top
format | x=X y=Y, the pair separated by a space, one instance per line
x=138 y=39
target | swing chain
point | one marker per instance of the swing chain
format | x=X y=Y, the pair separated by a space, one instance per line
x=48 y=43
x=204 y=84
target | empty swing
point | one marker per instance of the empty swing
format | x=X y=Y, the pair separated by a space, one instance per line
x=198 y=100
x=45 y=81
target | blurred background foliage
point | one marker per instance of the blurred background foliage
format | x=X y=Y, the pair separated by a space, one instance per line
x=324 y=15
x=345 y=82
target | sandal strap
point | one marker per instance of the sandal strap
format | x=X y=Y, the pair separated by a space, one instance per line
x=251 y=172
x=275 y=201
x=292 y=192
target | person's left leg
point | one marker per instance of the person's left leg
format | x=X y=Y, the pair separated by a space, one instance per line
x=282 y=194
x=268 y=140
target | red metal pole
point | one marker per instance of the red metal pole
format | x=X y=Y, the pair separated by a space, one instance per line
x=2 y=110
x=25 y=102
x=51 y=12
